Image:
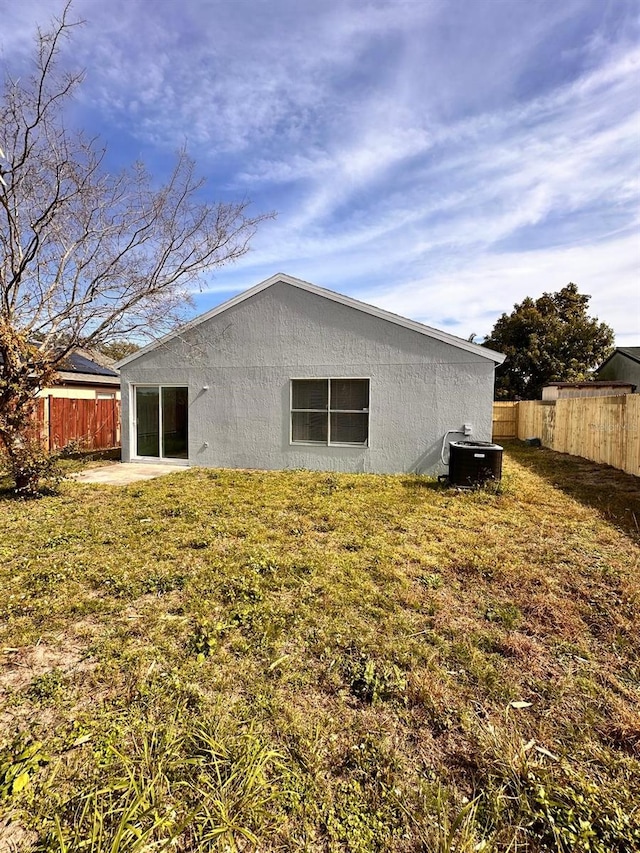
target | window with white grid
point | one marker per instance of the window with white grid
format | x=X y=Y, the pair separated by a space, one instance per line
x=330 y=411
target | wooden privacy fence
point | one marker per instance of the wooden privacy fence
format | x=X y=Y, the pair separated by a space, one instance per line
x=602 y=429
x=92 y=424
x=505 y=420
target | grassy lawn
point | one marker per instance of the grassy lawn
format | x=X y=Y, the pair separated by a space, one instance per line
x=231 y=660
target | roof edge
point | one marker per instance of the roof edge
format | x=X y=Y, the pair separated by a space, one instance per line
x=348 y=301
x=73 y=376
x=594 y=383
x=618 y=351
x=625 y=351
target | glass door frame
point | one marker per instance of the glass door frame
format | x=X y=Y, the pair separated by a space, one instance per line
x=174 y=460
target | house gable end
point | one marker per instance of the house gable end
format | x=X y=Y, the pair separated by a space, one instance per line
x=623 y=364
x=186 y=331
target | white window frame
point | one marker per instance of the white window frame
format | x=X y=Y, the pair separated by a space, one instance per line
x=328 y=411
x=134 y=423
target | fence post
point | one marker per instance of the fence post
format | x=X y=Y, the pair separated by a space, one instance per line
x=46 y=421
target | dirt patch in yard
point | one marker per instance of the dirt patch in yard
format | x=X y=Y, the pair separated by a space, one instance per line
x=21 y=665
x=34 y=678
x=14 y=838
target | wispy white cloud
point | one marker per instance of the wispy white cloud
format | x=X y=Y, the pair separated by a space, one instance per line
x=479 y=192
x=228 y=75
x=469 y=298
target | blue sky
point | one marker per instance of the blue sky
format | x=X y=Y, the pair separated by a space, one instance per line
x=442 y=159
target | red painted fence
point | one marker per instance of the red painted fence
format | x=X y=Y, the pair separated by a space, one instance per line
x=92 y=424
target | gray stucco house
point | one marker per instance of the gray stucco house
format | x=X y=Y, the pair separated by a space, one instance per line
x=290 y=375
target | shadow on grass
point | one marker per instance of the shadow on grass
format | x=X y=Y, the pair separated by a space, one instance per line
x=614 y=494
x=419 y=483
x=110 y=454
x=8 y=492
x=69 y=463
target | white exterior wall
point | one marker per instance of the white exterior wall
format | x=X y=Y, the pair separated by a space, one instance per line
x=247 y=355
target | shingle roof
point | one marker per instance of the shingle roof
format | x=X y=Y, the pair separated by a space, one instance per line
x=81 y=362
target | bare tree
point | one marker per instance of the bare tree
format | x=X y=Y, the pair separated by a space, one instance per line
x=86 y=256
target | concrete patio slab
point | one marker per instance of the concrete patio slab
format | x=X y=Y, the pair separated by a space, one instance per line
x=122 y=473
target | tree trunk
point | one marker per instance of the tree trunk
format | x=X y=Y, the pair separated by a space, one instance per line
x=24 y=370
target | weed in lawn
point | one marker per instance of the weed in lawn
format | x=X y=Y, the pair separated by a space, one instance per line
x=46 y=687
x=358 y=822
x=161 y=584
x=507 y=615
x=544 y=799
x=433 y=580
x=20 y=761
x=205 y=638
x=374 y=681
x=241 y=588
x=445 y=824
x=364 y=814
x=237 y=788
x=127 y=806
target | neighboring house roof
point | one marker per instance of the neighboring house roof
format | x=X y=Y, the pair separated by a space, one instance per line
x=87 y=367
x=80 y=361
x=283 y=278
x=82 y=366
x=632 y=353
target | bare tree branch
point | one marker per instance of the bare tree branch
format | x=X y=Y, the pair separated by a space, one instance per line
x=87 y=257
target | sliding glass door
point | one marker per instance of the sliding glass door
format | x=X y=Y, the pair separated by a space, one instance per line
x=148 y=421
x=162 y=421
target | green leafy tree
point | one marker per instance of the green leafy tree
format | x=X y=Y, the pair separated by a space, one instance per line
x=550 y=339
x=119 y=349
x=87 y=257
